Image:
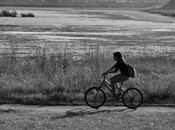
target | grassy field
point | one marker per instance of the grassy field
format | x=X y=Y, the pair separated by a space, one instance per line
x=59 y=78
x=56 y=56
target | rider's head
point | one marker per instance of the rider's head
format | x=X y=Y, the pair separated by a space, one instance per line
x=117 y=55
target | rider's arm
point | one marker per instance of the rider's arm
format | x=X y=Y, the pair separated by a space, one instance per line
x=111 y=70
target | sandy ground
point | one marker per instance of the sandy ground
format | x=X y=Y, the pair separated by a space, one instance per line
x=20 y=117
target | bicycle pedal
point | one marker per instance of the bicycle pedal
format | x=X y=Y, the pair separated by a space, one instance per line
x=111 y=99
x=118 y=95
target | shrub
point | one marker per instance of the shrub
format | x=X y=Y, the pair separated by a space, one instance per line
x=13 y=13
x=7 y=13
x=27 y=15
x=173 y=14
x=1 y=13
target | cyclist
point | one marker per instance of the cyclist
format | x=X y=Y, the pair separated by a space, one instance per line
x=121 y=66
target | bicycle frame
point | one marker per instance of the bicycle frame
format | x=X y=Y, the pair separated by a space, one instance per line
x=96 y=96
x=106 y=83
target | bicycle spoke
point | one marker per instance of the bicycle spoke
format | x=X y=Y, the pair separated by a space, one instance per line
x=95 y=97
x=132 y=98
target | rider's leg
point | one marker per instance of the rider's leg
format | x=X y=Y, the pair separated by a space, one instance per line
x=117 y=79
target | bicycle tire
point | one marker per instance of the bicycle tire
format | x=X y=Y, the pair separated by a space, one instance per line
x=129 y=100
x=95 y=97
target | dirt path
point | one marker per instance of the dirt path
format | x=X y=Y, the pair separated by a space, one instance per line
x=81 y=109
x=19 y=117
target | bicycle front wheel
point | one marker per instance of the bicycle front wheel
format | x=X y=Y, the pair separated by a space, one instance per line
x=132 y=98
x=95 y=97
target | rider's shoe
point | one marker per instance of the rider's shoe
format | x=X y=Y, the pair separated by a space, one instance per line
x=114 y=98
x=111 y=98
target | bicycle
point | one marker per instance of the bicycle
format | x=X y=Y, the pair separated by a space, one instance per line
x=95 y=97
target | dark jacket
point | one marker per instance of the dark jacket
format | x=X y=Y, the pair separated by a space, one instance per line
x=122 y=66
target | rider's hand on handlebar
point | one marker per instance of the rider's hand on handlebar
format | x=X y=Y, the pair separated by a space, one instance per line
x=104 y=74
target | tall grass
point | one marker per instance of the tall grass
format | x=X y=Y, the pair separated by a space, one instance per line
x=59 y=78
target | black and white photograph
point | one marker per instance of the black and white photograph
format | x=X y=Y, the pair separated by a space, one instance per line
x=87 y=64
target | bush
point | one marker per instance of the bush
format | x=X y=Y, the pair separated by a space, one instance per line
x=173 y=14
x=7 y=13
x=1 y=13
x=13 y=13
x=27 y=15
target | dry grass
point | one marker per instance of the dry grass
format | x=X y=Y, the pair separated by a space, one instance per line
x=56 y=78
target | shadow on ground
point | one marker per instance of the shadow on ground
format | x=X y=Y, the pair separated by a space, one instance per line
x=89 y=111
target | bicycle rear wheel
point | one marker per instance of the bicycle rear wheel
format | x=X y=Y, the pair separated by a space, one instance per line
x=95 y=97
x=132 y=98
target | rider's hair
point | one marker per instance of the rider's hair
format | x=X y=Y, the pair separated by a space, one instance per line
x=118 y=55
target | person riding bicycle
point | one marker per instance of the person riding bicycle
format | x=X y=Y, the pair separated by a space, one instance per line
x=121 y=66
